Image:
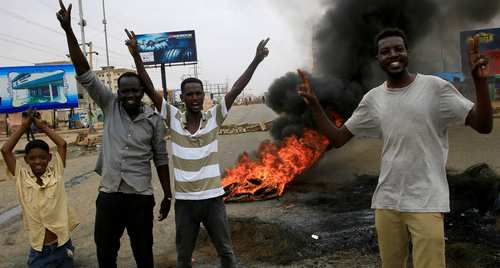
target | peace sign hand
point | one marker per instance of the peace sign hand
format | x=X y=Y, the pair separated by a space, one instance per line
x=262 y=50
x=64 y=16
x=478 y=62
x=131 y=42
x=305 y=90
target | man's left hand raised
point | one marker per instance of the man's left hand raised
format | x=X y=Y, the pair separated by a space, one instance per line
x=478 y=62
x=131 y=43
x=262 y=50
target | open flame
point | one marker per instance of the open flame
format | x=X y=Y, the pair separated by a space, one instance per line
x=276 y=166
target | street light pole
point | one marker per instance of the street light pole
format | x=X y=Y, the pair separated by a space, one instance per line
x=90 y=55
x=82 y=24
x=105 y=32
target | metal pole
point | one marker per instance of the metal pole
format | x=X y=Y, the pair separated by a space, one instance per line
x=7 y=124
x=164 y=81
x=91 y=61
x=54 y=119
x=82 y=24
x=105 y=32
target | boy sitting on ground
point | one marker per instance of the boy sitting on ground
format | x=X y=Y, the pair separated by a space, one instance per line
x=40 y=190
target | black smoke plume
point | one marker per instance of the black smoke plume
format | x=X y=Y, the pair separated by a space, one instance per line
x=335 y=95
x=344 y=51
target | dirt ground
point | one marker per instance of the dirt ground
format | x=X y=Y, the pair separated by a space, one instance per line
x=330 y=201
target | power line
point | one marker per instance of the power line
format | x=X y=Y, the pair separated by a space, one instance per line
x=25 y=40
x=44 y=4
x=28 y=46
x=23 y=18
x=119 y=56
x=14 y=59
x=116 y=53
x=95 y=29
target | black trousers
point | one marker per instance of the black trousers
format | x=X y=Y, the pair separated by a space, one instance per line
x=114 y=213
x=212 y=213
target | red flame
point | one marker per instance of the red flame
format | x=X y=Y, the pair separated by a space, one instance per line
x=277 y=166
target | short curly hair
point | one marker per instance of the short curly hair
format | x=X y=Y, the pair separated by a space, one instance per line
x=36 y=144
x=389 y=32
x=190 y=80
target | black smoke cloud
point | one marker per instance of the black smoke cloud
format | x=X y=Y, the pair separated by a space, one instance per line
x=344 y=51
x=334 y=94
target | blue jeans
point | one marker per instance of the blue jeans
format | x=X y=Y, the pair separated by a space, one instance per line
x=52 y=256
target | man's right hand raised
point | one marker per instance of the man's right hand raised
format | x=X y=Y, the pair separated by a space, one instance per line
x=76 y=54
x=64 y=16
x=27 y=119
x=305 y=90
x=131 y=43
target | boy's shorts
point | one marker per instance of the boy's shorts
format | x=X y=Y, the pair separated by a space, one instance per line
x=52 y=256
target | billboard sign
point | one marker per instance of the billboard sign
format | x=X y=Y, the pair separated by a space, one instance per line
x=489 y=45
x=39 y=87
x=168 y=47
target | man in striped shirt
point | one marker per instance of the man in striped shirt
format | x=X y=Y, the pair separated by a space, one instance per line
x=198 y=190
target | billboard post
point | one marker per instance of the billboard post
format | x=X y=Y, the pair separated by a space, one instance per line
x=163 y=80
x=7 y=131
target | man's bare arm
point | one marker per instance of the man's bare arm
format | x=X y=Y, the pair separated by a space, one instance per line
x=76 y=54
x=141 y=70
x=480 y=117
x=164 y=177
x=8 y=146
x=337 y=136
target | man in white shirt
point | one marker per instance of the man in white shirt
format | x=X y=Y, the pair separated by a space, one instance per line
x=411 y=113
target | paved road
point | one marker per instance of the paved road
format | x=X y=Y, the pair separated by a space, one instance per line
x=357 y=157
x=254 y=113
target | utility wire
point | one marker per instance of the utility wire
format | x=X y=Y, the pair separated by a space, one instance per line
x=23 y=18
x=30 y=47
x=40 y=2
x=15 y=59
x=27 y=41
x=29 y=21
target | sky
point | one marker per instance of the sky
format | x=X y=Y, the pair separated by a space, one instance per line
x=227 y=34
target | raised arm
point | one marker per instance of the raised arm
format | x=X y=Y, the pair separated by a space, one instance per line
x=141 y=71
x=242 y=82
x=480 y=117
x=97 y=91
x=58 y=140
x=8 y=146
x=337 y=136
x=76 y=54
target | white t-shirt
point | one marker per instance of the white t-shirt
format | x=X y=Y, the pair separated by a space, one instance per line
x=413 y=122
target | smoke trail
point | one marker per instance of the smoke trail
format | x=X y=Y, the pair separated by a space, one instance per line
x=334 y=94
x=344 y=51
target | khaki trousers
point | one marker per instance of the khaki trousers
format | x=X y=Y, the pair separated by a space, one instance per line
x=425 y=230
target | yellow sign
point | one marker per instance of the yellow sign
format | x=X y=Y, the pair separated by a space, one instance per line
x=486 y=37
